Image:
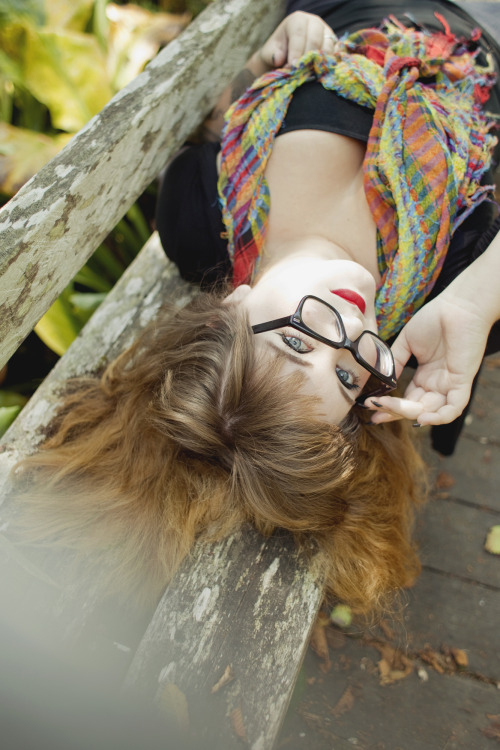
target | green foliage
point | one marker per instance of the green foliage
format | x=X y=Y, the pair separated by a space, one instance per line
x=11 y=404
x=60 y=63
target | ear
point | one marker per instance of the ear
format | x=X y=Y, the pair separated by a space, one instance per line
x=238 y=294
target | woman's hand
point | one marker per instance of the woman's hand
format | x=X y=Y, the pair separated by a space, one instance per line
x=447 y=337
x=297 y=34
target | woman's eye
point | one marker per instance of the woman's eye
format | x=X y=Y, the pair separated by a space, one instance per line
x=347 y=378
x=295 y=343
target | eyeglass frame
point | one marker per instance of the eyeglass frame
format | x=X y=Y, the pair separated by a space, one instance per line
x=295 y=321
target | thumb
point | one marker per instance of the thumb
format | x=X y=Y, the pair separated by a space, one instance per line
x=401 y=351
x=275 y=51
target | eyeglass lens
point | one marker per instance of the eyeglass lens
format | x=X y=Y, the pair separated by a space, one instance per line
x=322 y=320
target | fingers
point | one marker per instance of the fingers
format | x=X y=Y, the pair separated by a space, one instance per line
x=297 y=34
x=390 y=408
x=312 y=35
x=424 y=408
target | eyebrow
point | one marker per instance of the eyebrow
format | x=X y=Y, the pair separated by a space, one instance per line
x=303 y=363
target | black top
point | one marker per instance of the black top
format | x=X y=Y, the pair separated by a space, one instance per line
x=189 y=219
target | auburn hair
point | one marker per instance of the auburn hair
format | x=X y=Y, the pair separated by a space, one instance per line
x=185 y=437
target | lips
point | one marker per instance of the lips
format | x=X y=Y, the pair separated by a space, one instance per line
x=353 y=297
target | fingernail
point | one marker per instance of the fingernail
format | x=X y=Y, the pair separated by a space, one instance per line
x=416 y=424
x=376 y=403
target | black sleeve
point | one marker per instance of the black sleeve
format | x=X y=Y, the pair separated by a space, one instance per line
x=189 y=218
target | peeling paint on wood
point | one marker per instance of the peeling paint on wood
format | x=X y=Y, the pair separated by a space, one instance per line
x=259 y=622
x=148 y=283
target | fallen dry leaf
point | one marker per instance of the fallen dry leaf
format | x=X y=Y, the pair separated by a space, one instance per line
x=492 y=543
x=238 y=724
x=319 y=644
x=460 y=657
x=227 y=677
x=345 y=703
x=431 y=657
x=393 y=665
x=444 y=481
x=493 y=731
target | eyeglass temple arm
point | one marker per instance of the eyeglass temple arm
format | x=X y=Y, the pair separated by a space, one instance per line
x=272 y=324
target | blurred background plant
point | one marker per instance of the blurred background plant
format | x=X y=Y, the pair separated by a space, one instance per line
x=60 y=63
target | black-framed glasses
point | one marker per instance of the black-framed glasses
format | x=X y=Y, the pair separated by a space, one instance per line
x=324 y=323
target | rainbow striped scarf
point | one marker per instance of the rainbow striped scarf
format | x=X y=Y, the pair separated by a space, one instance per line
x=428 y=147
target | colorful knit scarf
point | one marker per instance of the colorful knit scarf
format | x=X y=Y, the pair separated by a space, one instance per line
x=428 y=147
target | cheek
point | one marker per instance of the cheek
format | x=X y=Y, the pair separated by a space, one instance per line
x=331 y=405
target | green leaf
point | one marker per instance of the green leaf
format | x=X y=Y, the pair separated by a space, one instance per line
x=341 y=615
x=11 y=69
x=104 y=261
x=7 y=416
x=84 y=305
x=92 y=280
x=86 y=300
x=11 y=398
x=100 y=25
x=22 y=153
x=68 y=14
x=492 y=543
x=32 y=10
x=66 y=71
x=58 y=328
x=135 y=36
x=138 y=221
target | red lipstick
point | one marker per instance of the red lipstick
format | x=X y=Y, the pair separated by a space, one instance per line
x=353 y=297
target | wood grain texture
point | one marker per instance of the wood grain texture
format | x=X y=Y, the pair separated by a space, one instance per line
x=241 y=608
x=55 y=222
x=247 y=601
x=150 y=281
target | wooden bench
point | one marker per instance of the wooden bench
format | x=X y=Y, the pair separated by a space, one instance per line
x=244 y=607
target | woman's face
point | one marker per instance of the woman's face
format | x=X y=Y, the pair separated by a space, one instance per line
x=331 y=374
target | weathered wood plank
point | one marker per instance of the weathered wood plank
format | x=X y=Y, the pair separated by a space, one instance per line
x=149 y=282
x=444 y=712
x=475 y=467
x=260 y=617
x=451 y=538
x=461 y=614
x=54 y=223
x=246 y=604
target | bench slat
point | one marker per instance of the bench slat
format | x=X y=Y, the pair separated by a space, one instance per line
x=241 y=608
x=146 y=284
x=248 y=602
x=55 y=222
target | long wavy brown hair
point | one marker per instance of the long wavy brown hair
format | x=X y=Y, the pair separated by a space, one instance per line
x=184 y=437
